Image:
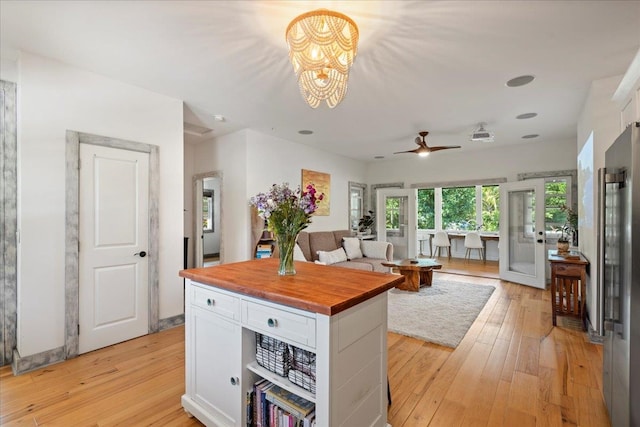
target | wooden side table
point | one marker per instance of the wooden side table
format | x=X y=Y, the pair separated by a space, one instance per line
x=568 y=285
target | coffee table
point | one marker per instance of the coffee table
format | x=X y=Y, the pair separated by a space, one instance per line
x=416 y=272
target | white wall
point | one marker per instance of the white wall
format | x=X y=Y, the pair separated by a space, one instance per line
x=453 y=165
x=227 y=155
x=250 y=163
x=601 y=116
x=53 y=98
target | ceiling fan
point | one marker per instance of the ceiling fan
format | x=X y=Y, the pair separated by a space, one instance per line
x=423 y=149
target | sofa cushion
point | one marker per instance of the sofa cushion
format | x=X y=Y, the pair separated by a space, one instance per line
x=352 y=247
x=374 y=263
x=357 y=265
x=332 y=257
x=374 y=249
x=303 y=242
x=322 y=241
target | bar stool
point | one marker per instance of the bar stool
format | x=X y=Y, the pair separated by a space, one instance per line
x=441 y=240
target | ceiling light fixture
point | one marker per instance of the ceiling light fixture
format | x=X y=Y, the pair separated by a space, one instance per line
x=322 y=47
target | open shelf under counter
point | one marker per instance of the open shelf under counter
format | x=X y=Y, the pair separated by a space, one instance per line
x=281 y=381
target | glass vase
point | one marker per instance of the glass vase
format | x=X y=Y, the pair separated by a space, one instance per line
x=286 y=243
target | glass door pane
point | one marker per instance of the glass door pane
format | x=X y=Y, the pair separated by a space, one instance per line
x=396 y=221
x=522 y=251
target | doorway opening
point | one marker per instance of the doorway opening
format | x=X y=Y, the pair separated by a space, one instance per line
x=207 y=219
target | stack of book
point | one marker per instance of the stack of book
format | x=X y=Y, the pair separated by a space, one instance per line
x=263 y=251
x=273 y=406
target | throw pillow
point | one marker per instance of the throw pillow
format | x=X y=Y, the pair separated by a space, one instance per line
x=332 y=257
x=352 y=247
x=374 y=249
x=298 y=255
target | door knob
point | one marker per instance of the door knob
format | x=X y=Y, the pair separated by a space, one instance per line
x=141 y=253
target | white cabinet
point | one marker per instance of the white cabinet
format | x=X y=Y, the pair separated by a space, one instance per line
x=213 y=357
x=221 y=367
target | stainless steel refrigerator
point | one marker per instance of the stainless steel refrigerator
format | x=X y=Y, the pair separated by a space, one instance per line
x=621 y=262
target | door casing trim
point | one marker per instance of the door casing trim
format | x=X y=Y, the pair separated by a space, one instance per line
x=72 y=265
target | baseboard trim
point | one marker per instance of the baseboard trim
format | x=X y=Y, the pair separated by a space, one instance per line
x=171 y=322
x=20 y=364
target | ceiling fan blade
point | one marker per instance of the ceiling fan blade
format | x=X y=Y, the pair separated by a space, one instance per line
x=444 y=147
x=410 y=151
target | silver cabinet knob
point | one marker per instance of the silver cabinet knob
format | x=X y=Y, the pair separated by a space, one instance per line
x=272 y=323
x=235 y=381
x=210 y=301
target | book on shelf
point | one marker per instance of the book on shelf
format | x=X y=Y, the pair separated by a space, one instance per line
x=260 y=407
x=264 y=247
x=297 y=406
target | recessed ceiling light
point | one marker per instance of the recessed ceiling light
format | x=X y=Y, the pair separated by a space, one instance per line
x=305 y=132
x=530 y=136
x=520 y=81
x=219 y=118
x=527 y=116
x=378 y=157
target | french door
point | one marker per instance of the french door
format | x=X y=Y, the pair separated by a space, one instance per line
x=396 y=220
x=522 y=236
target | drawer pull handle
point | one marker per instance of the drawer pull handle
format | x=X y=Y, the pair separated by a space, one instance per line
x=272 y=323
x=235 y=381
x=210 y=301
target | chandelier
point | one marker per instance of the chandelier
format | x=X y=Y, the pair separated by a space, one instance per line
x=322 y=47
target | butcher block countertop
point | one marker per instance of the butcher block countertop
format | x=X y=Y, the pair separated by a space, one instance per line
x=316 y=288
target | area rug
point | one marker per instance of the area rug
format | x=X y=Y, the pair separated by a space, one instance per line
x=441 y=313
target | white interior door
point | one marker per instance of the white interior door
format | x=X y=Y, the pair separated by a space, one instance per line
x=396 y=220
x=522 y=237
x=114 y=231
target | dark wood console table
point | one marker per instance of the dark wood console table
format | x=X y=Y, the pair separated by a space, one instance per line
x=568 y=284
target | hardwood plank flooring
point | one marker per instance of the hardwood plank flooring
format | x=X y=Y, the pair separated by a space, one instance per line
x=512 y=368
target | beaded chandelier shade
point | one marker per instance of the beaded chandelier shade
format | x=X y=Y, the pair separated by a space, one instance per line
x=322 y=47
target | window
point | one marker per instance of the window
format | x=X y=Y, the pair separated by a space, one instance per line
x=559 y=190
x=556 y=196
x=393 y=213
x=357 y=196
x=207 y=211
x=459 y=208
x=490 y=208
x=426 y=209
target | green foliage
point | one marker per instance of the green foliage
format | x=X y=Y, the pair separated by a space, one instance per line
x=491 y=208
x=426 y=209
x=458 y=207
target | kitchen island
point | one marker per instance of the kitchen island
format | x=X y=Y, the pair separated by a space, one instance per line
x=339 y=315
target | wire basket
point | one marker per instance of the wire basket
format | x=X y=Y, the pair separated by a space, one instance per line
x=272 y=354
x=302 y=369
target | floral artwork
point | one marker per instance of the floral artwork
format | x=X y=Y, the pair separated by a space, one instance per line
x=322 y=183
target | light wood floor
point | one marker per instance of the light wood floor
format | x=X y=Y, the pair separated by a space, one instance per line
x=511 y=369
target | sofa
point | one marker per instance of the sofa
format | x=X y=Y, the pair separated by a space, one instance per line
x=327 y=247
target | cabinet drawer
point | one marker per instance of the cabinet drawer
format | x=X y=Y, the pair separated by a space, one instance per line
x=568 y=270
x=217 y=302
x=278 y=323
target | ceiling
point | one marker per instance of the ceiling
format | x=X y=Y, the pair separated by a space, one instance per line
x=439 y=66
